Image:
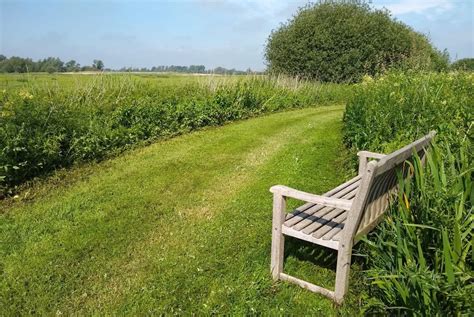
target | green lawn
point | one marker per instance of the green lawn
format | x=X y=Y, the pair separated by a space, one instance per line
x=181 y=226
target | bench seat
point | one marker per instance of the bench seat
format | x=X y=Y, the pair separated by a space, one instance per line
x=320 y=224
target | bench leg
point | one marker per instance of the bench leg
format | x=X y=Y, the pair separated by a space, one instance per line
x=278 y=240
x=342 y=273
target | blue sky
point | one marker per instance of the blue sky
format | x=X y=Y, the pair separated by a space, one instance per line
x=213 y=33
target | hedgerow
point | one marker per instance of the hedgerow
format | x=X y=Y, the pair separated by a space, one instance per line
x=45 y=127
x=420 y=260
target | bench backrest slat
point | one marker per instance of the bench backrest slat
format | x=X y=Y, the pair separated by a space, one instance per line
x=379 y=183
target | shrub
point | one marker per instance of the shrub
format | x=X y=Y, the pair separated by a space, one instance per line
x=334 y=41
x=420 y=260
x=465 y=64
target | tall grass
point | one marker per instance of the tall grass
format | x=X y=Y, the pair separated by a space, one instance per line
x=47 y=126
x=420 y=260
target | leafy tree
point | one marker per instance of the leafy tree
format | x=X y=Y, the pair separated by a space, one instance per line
x=466 y=64
x=50 y=65
x=17 y=64
x=340 y=41
x=72 y=66
x=98 y=64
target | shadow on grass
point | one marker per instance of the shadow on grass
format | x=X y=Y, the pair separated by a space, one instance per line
x=317 y=264
x=309 y=252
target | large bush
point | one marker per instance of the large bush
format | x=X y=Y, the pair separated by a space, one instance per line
x=46 y=127
x=420 y=261
x=342 y=41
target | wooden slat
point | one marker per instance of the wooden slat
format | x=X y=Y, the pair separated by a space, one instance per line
x=307 y=237
x=309 y=286
x=347 y=193
x=331 y=233
x=336 y=222
x=286 y=191
x=321 y=212
x=368 y=154
x=299 y=210
x=333 y=192
x=337 y=236
x=323 y=221
x=401 y=155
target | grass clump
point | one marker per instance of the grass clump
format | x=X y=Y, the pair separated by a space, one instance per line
x=420 y=261
x=45 y=126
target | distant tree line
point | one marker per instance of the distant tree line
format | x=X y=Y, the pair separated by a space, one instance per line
x=17 y=64
x=191 y=69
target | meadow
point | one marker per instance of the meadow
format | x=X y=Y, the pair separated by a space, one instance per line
x=53 y=121
x=145 y=193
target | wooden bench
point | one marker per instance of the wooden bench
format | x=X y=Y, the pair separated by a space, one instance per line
x=340 y=217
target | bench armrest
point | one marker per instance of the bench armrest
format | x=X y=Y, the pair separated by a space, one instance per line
x=363 y=159
x=311 y=198
x=368 y=154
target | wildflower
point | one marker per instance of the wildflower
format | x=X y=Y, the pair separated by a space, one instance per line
x=25 y=95
x=366 y=79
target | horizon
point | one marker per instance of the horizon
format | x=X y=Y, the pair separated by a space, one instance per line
x=150 y=33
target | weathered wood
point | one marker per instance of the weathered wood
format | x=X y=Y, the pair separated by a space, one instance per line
x=392 y=160
x=309 y=286
x=368 y=154
x=336 y=192
x=319 y=214
x=337 y=236
x=363 y=159
x=307 y=237
x=278 y=240
x=340 y=217
x=317 y=199
x=343 y=267
x=330 y=229
x=331 y=233
x=303 y=219
x=323 y=221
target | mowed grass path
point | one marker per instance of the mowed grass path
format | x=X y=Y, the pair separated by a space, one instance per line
x=181 y=226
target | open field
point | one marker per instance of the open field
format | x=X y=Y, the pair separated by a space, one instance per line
x=8 y=81
x=180 y=226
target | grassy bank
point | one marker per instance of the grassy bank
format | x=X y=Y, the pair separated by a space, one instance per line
x=53 y=121
x=181 y=226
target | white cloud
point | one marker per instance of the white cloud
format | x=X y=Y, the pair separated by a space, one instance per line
x=416 y=6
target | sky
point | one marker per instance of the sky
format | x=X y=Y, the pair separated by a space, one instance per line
x=227 y=33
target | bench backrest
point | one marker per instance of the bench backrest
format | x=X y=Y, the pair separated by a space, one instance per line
x=378 y=184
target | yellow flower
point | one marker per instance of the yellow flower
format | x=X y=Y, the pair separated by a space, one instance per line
x=25 y=95
x=366 y=79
